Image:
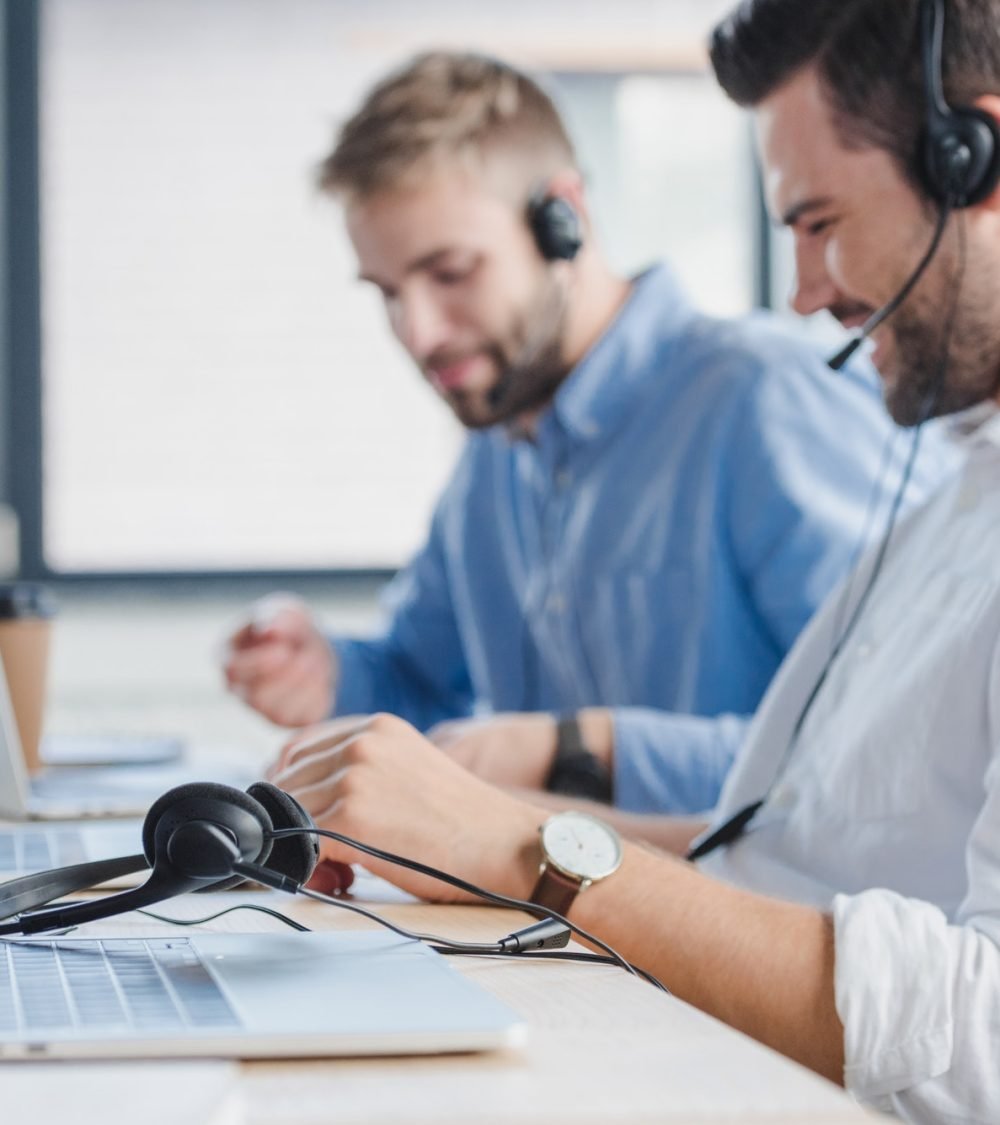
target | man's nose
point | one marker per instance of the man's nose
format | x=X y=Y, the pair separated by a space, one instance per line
x=421 y=325
x=813 y=290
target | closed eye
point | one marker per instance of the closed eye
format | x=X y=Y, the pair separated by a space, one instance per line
x=819 y=226
x=387 y=293
x=454 y=273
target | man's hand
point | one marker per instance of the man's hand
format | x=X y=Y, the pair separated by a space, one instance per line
x=281 y=665
x=380 y=781
x=517 y=750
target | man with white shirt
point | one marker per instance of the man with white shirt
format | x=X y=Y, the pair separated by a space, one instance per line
x=846 y=908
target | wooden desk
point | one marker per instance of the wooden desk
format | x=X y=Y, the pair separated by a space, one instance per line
x=603 y=1047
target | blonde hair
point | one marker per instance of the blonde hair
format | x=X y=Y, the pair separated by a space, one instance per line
x=451 y=105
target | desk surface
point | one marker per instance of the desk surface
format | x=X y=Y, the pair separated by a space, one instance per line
x=603 y=1047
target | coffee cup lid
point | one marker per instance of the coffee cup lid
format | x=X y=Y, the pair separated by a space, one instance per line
x=26 y=599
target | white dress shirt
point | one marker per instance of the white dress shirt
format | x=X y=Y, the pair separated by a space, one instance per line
x=887 y=808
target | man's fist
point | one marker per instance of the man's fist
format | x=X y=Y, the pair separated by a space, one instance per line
x=281 y=664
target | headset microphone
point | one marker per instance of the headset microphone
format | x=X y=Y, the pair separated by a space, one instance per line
x=193 y=837
x=558 y=234
x=498 y=392
x=881 y=315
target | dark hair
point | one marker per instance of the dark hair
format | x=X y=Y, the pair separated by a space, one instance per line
x=867 y=58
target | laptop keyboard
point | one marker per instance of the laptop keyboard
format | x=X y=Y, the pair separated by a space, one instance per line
x=39 y=849
x=156 y=984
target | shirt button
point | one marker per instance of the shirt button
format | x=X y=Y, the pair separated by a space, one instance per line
x=783 y=795
x=968 y=498
x=557 y=603
x=564 y=478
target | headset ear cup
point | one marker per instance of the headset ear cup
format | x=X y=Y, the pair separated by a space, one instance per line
x=208 y=800
x=961 y=157
x=982 y=135
x=556 y=228
x=294 y=856
x=959 y=153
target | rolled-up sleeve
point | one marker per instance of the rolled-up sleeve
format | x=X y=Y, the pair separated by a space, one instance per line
x=918 y=991
x=920 y=1002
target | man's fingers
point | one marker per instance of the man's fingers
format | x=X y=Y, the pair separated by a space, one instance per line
x=318 y=768
x=259 y=663
x=321 y=737
x=268 y=621
x=274 y=610
x=245 y=637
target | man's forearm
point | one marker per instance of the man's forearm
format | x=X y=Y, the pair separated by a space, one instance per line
x=763 y=966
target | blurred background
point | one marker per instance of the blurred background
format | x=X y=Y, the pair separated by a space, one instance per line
x=198 y=399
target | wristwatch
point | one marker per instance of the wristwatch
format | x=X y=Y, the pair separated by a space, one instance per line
x=575 y=770
x=577 y=850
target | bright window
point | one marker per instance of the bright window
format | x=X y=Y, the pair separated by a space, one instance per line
x=219 y=392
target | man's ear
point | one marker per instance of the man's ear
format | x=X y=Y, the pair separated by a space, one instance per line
x=568 y=184
x=990 y=104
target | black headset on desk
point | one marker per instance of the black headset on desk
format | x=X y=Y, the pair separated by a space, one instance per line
x=193 y=838
x=207 y=837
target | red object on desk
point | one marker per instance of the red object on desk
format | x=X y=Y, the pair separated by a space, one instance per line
x=332 y=877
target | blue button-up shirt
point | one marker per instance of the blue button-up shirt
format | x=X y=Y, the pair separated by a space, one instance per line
x=695 y=490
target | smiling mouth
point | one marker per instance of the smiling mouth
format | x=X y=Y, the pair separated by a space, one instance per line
x=454 y=373
x=856 y=316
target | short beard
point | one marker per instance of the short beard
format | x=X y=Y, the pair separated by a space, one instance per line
x=530 y=364
x=943 y=369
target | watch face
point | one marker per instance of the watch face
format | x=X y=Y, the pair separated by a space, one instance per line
x=581 y=845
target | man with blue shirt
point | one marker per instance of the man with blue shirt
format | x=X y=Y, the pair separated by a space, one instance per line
x=651 y=503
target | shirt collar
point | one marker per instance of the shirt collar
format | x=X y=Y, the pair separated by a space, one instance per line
x=599 y=391
x=978 y=425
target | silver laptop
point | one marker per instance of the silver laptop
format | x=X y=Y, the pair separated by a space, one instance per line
x=68 y=793
x=241 y=996
x=110 y=749
x=27 y=848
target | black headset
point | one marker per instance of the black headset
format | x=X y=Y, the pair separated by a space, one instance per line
x=207 y=837
x=958 y=161
x=556 y=227
x=960 y=145
x=558 y=234
x=192 y=838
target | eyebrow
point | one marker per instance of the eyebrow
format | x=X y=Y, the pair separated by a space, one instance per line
x=795 y=212
x=425 y=262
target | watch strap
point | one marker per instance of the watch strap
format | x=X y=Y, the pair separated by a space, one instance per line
x=575 y=771
x=569 y=737
x=555 y=890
